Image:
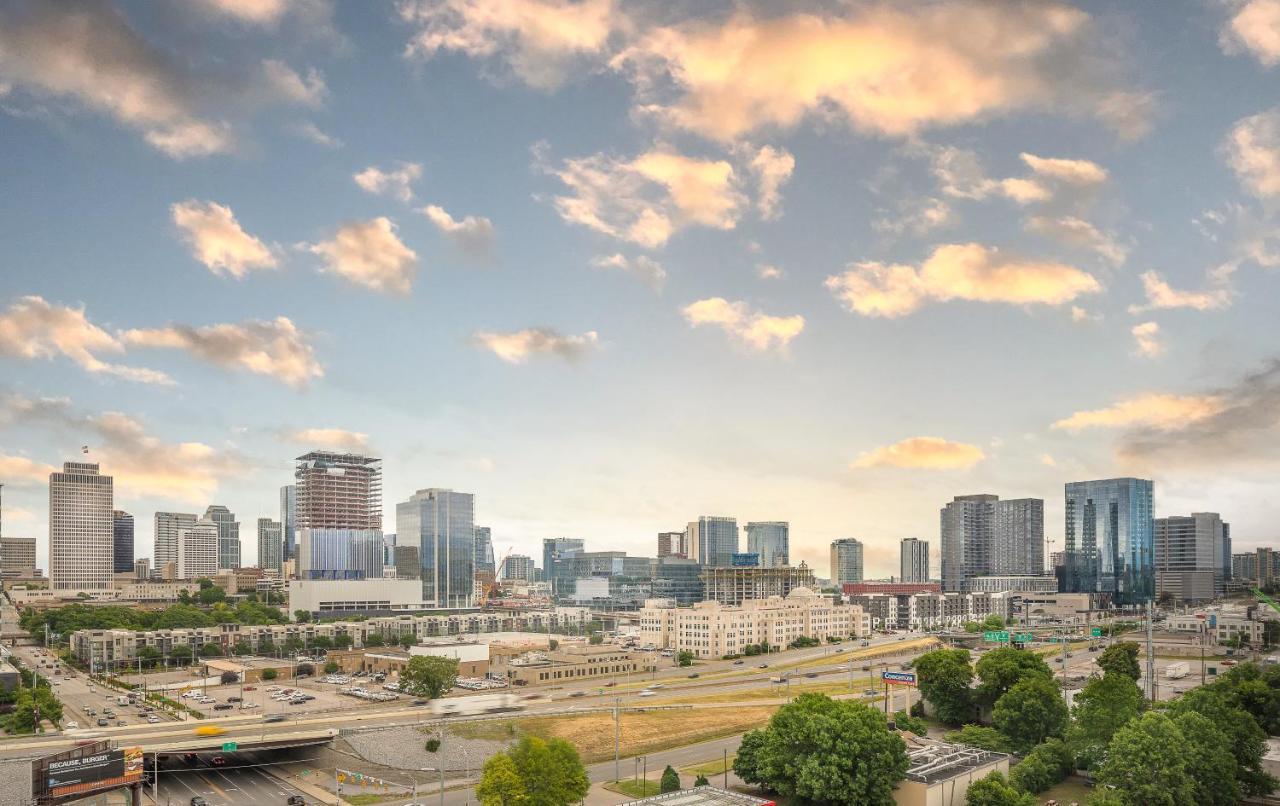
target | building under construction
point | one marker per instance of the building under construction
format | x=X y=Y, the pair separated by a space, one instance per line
x=339 y=491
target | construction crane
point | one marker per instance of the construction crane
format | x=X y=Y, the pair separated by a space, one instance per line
x=1267 y=599
x=492 y=587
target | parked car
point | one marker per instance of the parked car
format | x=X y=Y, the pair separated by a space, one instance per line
x=693 y=675
x=223 y=706
x=234 y=699
x=72 y=725
x=102 y=722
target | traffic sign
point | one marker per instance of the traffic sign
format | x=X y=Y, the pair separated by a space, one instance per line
x=1024 y=637
x=899 y=678
x=1001 y=636
x=229 y=747
x=1096 y=632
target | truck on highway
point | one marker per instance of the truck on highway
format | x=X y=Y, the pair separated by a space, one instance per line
x=478 y=704
x=1177 y=671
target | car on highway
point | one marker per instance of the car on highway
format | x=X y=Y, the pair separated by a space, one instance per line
x=419 y=702
x=647 y=693
x=692 y=675
x=219 y=761
x=811 y=674
x=223 y=706
x=763 y=666
x=153 y=719
x=199 y=801
x=273 y=718
x=295 y=800
x=738 y=662
x=577 y=694
x=234 y=699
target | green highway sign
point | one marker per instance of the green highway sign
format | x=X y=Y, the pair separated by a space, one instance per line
x=229 y=747
x=1024 y=637
x=1096 y=632
x=1000 y=636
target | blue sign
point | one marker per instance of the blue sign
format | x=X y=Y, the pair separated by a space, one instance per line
x=903 y=678
x=745 y=559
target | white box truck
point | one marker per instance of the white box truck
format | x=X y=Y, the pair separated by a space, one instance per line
x=1177 y=671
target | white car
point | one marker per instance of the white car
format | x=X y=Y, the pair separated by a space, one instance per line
x=72 y=726
x=647 y=693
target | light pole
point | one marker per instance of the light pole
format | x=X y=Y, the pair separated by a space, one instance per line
x=617 y=734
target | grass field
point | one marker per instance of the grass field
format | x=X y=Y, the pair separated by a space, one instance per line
x=776 y=691
x=592 y=734
x=709 y=768
x=632 y=788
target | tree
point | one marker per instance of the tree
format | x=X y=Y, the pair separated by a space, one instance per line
x=670 y=780
x=301 y=616
x=701 y=780
x=322 y=642
x=1209 y=761
x=972 y=627
x=407 y=640
x=210 y=651
x=1044 y=767
x=374 y=639
x=1243 y=736
x=269 y=674
x=149 y=655
x=826 y=751
x=211 y=595
x=983 y=737
x=1030 y=712
x=304 y=670
x=684 y=658
x=1001 y=668
x=500 y=783
x=343 y=641
x=746 y=764
x=228 y=678
x=1121 y=658
x=993 y=622
x=905 y=721
x=1146 y=763
x=995 y=791
x=1105 y=705
x=242 y=648
x=331 y=667
x=944 y=676
x=429 y=676
x=551 y=772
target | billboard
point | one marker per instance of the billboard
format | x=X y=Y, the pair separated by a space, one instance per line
x=899 y=678
x=86 y=770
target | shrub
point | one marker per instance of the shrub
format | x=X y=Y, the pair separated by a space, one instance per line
x=269 y=674
x=331 y=667
x=702 y=781
x=432 y=745
x=670 y=780
x=905 y=721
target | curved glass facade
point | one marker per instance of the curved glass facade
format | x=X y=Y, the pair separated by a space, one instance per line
x=1110 y=544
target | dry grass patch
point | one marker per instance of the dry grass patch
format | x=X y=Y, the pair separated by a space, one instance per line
x=776 y=691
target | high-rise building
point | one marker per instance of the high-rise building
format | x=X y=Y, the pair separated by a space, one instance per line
x=771 y=540
x=18 y=557
x=518 y=566
x=846 y=561
x=289 y=520
x=81 y=528
x=339 y=516
x=1244 y=565
x=1266 y=567
x=914 y=560
x=554 y=550
x=1109 y=539
x=388 y=549
x=270 y=545
x=484 y=550
x=168 y=525
x=142 y=569
x=122 y=541
x=671 y=544
x=439 y=526
x=1189 y=556
x=982 y=535
x=712 y=540
x=228 y=536
x=198 y=550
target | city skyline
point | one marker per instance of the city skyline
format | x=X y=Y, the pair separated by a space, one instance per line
x=667 y=295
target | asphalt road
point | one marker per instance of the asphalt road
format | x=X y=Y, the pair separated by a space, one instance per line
x=249 y=781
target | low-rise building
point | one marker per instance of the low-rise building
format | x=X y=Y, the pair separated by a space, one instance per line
x=939 y=773
x=860 y=588
x=711 y=629
x=730 y=585
x=328 y=597
x=1221 y=625
x=1022 y=583
x=932 y=611
x=566 y=665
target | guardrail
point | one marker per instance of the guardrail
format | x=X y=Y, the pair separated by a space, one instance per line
x=453 y=720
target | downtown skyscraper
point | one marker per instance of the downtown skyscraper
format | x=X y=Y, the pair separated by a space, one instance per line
x=228 y=536
x=1109 y=537
x=270 y=545
x=339 y=509
x=1189 y=557
x=81 y=528
x=289 y=520
x=168 y=525
x=122 y=543
x=712 y=540
x=771 y=540
x=846 y=561
x=437 y=528
x=913 y=562
x=983 y=535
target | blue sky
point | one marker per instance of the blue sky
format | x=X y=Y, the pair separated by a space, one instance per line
x=610 y=266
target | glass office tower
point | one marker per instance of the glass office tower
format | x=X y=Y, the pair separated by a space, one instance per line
x=1110 y=545
x=439 y=526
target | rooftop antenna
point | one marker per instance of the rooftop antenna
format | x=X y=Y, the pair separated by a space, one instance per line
x=84 y=449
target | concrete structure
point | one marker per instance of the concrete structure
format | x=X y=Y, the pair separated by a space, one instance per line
x=940 y=773
x=913 y=561
x=238 y=581
x=339 y=511
x=931 y=611
x=357 y=596
x=518 y=566
x=122 y=541
x=700 y=796
x=198 y=550
x=733 y=586
x=712 y=539
x=439 y=527
x=167 y=527
x=289 y=520
x=1061 y=608
x=142 y=569
x=1266 y=567
x=712 y=630
x=1109 y=539
x=567 y=665
x=772 y=541
x=846 y=561
x=1220 y=625
x=270 y=545
x=17 y=557
x=585 y=590
x=1245 y=566
x=671 y=544
x=555 y=549
x=228 y=535
x=1028 y=583
x=81 y=528
x=1190 y=555
x=982 y=535
x=859 y=588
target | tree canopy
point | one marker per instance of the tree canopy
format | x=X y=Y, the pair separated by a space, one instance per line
x=534 y=773
x=1243 y=736
x=1030 y=712
x=1045 y=766
x=999 y=669
x=944 y=676
x=1146 y=763
x=1105 y=705
x=993 y=790
x=1210 y=763
x=1121 y=658
x=429 y=676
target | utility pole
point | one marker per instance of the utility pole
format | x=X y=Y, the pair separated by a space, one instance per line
x=1151 y=659
x=617 y=734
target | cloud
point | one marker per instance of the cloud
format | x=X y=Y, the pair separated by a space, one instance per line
x=960 y=175
x=1252 y=148
x=217 y=240
x=927 y=453
x=754 y=329
x=772 y=168
x=538 y=40
x=1079 y=233
x=767 y=271
x=1157 y=411
x=256 y=12
x=647 y=199
x=1146 y=339
x=1047 y=460
x=646 y=268
x=368 y=253
x=969 y=271
x=141 y=463
x=396 y=184
x=310 y=131
x=516 y=347
x=1071 y=171
x=276 y=348
x=1161 y=296
x=919 y=218
x=88 y=53
x=889 y=69
x=473 y=234
x=1079 y=314
x=33 y=328
x=1255 y=27
x=331 y=438
x=20 y=469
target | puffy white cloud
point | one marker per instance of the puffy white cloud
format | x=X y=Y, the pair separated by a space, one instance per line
x=1079 y=233
x=34 y=328
x=1252 y=149
x=368 y=253
x=1160 y=411
x=958 y=271
x=891 y=69
x=472 y=234
x=338 y=439
x=960 y=175
x=1255 y=26
x=256 y=12
x=516 y=347
x=538 y=39
x=397 y=183
x=1161 y=295
x=277 y=349
x=756 y=330
x=772 y=168
x=768 y=271
x=285 y=83
x=917 y=218
x=217 y=239
x=647 y=199
x=1071 y=171
x=1146 y=339
x=926 y=453
x=646 y=268
x=20 y=469
x=310 y=131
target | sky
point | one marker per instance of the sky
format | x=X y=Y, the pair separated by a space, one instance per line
x=610 y=266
